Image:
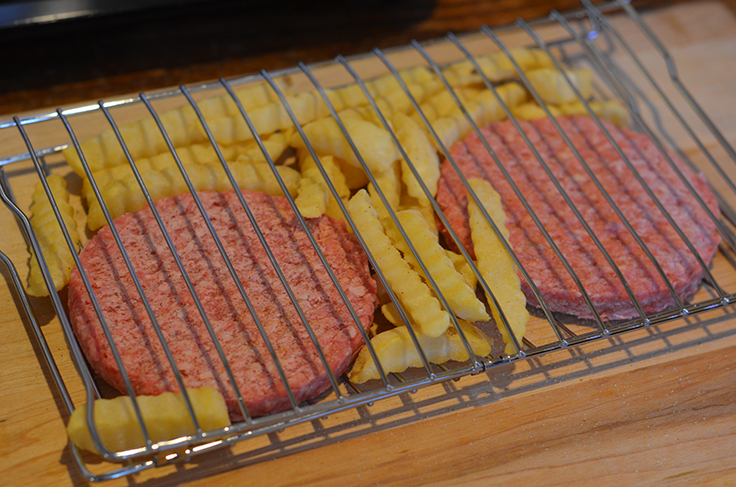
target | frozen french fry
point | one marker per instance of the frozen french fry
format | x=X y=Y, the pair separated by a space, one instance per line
x=396 y=351
x=389 y=182
x=165 y=416
x=462 y=266
x=375 y=144
x=495 y=263
x=497 y=66
x=124 y=195
x=144 y=139
x=483 y=110
x=50 y=236
x=460 y=297
x=552 y=86
x=422 y=155
x=415 y=296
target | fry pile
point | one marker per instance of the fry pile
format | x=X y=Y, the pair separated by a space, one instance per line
x=367 y=173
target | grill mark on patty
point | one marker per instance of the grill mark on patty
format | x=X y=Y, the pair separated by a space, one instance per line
x=161 y=368
x=171 y=282
x=628 y=195
x=267 y=287
x=219 y=279
x=534 y=189
x=311 y=273
x=611 y=242
x=702 y=230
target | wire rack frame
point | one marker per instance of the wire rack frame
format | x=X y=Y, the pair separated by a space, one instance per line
x=589 y=38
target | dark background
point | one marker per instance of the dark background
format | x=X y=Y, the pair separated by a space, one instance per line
x=51 y=64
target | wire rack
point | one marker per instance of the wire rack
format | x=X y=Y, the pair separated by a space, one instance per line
x=589 y=38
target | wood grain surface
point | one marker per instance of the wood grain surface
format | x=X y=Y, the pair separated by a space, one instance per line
x=651 y=407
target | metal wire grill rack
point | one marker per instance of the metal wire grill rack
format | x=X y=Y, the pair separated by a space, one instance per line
x=588 y=38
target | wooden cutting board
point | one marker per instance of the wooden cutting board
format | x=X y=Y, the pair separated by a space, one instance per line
x=652 y=407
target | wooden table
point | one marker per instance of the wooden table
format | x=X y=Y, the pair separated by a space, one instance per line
x=652 y=407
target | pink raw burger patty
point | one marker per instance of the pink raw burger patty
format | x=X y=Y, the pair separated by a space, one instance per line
x=183 y=327
x=537 y=256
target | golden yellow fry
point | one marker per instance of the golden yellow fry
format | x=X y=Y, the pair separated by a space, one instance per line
x=190 y=155
x=50 y=236
x=495 y=263
x=422 y=155
x=332 y=167
x=396 y=350
x=391 y=312
x=427 y=212
x=314 y=196
x=307 y=107
x=387 y=84
x=375 y=144
x=415 y=296
x=552 y=86
x=463 y=267
x=124 y=195
x=442 y=104
x=483 y=110
x=144 y=139
x=607 y=110
x=532 y=111
x=390 y=184
x=460 y=297
x=497 y=66
x=355 y=177
x=165 y=416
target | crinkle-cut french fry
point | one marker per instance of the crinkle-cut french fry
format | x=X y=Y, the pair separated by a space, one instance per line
x=331 y=167
x=165 y=416
x=422 y=155
x=495 y=263
x=124 y=195
x=393 y=103
x=442 y=104
x=483 y=110
x=374 y=143
x=391 y=312
x=314 y=196
x=460 y=297
x=275 y=145
x=396 y=350
x=355 y=177
x=50 y=236
x=307 y=106
x=415 y=296
x=352 y=95
x=607 y=110
x=463 y=267
x=497 y=66
x=144 y=139
x=551 y=85
x=418 y=76
x=389 y=182
x=408 y=203
x=532 y=111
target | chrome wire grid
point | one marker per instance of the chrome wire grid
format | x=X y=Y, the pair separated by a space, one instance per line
x=589 y=39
